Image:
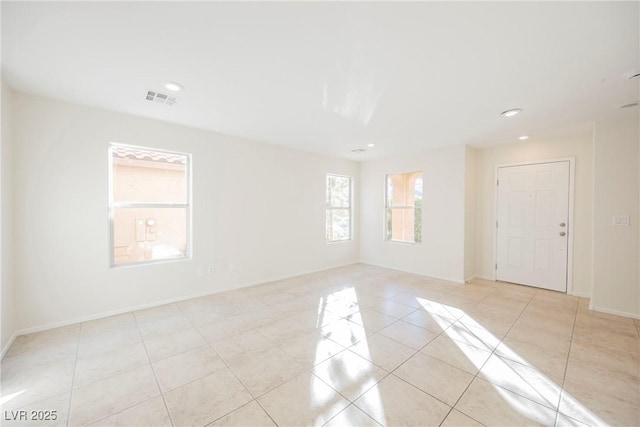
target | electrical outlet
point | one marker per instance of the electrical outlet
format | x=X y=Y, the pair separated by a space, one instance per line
x=620 y=221
x=211 y=271
x=200 y=272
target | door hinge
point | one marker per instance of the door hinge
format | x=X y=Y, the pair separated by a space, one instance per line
x=496 y=224
x=498 y=182
x=496 y=265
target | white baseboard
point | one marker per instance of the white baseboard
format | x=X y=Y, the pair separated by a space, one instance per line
x=412 y=272
x=581 y=294
x=611 y=311
x=577 y=294
x=102 y=315
x=8 y=345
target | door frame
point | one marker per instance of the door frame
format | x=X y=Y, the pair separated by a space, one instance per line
x=572 y=176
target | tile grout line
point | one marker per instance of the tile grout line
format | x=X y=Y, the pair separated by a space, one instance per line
x=485 y=362
x=265 y=411
x=561 y=387
x=144 y=344
x=358 y=408
x=566 y=366
x=392 y=372
x=451 y=407
x=532 y=299
x=111 y=376
x=441 y=334
x=253 y=398
x=210 y=345
x=131 y=369
x=310 y=371
x=73 y=378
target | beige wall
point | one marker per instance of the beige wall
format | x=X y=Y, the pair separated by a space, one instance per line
x=470 y=203
x=616 y=254
x=7 y=295
x=441 y=252
x=258 y=213
x=268 y=225
x=578 y=145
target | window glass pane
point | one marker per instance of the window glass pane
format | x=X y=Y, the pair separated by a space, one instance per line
x=417 y=221
x=388 y=228
x=404 y=207
x=143 y=234
x=418 y=210
x=338 y=191
x=418 y=188
x=402 y=223
x=338 y=224
x=338 y=208
x=144 y=176
x=329 y=224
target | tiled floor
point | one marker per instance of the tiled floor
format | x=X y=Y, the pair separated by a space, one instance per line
x=358 y=345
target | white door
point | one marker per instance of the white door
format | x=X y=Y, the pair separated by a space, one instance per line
x=533 y=225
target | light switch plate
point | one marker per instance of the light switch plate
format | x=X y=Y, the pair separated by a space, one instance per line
x=620 y=221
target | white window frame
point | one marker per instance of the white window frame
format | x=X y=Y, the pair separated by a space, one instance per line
x=387 y=206
x=332 y=208
x=113 y=205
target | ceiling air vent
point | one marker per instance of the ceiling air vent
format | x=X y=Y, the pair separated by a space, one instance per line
x=160 y=98
x=358 y=150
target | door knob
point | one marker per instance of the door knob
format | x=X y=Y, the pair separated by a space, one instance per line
x=562 y=233
x=562 y=224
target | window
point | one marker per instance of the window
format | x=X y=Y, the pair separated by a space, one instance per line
x=149 y=204
x=338 y=208
x=404 y=207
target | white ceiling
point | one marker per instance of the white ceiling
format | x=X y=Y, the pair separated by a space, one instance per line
x=331 y=77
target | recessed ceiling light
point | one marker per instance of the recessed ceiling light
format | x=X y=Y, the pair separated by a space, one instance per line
x=511 y=113
x=523 y=137
x=176 y=87
x=371 y=145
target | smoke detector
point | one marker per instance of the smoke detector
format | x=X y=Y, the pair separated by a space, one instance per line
x=160 y=98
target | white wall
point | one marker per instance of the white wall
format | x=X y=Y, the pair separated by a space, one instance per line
x=7 y=294
x=441 y=253
x=578 y=145
x=470 y=203
x=616 y=254
x=258 y=213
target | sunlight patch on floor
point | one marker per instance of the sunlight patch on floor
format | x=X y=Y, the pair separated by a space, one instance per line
x=513 y=376
x=9 y=397
x=347 y=370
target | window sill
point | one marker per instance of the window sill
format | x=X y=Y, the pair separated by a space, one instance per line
x=400 y=242
x=332 y=242
x=149 y=262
